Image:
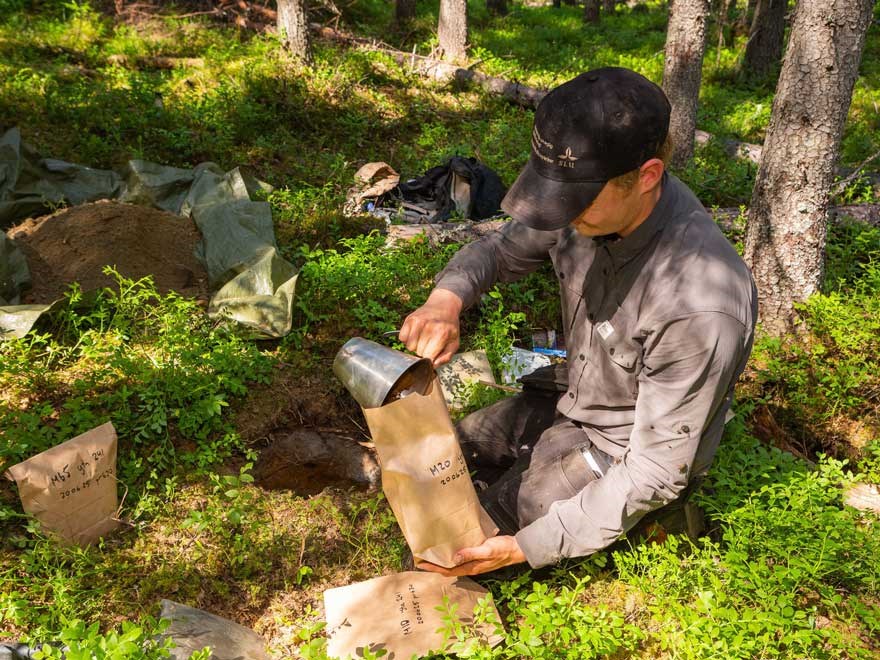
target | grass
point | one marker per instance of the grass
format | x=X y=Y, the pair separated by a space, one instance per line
x=787 y=571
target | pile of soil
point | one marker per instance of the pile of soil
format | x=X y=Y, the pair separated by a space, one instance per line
x=74 y=245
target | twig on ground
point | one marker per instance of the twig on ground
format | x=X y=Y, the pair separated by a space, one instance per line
x=843 y=183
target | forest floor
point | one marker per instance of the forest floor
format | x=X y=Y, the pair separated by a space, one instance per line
x=786 y=570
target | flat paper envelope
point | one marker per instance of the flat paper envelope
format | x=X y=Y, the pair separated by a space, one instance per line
x=71 y=488
x=398 y=613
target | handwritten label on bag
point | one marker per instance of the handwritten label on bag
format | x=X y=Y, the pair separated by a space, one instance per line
x=401 y=614
x=448 y=471
x=410 y=615
x=71 y=488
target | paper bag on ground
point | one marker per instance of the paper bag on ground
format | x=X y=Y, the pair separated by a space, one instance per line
x=425 y=478
x=71 y=488
x=398 y=613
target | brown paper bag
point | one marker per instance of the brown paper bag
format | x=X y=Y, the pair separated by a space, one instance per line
x=398 y=613
x=425 y=477
x=71 y=488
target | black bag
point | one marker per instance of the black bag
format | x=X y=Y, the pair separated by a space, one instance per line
x=462 y=184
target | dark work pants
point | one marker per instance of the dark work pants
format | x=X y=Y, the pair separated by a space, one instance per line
x=529 y=455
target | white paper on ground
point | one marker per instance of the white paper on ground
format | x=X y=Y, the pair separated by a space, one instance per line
x=521 y=362
x=463 y=370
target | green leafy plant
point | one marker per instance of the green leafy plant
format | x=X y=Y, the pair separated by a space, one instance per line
x=79 y=641
x=496 y=330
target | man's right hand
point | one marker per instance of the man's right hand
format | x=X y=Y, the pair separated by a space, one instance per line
x=432 y=331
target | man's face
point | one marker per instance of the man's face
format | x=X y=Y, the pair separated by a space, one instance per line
x=619 y=209
x=612 y=212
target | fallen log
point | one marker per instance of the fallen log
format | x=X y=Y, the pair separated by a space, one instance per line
x=515 y=92
x=523 y=95
x=434 y=69
x=731 y=221
x=733 y=148
x=155 y=62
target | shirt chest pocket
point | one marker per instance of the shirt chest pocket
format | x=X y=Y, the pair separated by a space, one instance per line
x=618 y=361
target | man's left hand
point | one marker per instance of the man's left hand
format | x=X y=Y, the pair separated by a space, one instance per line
x=496 y=552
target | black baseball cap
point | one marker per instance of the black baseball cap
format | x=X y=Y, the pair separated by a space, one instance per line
x=602 y=124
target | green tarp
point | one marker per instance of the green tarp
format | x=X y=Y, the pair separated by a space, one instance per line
x=251 y=283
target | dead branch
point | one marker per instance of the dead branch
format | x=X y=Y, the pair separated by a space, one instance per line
x=843 y=183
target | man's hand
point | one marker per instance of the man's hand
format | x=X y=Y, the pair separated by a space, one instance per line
x=432 y=331
x=496 y=552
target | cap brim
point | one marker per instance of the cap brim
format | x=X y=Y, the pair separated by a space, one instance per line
x=547 y=204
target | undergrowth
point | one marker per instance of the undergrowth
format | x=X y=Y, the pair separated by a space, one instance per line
x=786 y=571
x=827 y=377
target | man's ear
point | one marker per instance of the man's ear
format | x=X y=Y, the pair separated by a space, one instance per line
x=650 y=174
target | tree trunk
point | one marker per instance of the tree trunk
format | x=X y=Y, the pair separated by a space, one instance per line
x=744 y=17
x=785 y=237
x=497 y=7
x=404 y=11
x=591 y=11
x=764 y=47
x=293 y=26
x=608 y=6
x=682 y=71
x=452 y=29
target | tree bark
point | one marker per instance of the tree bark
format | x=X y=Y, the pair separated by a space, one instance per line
x=452 y=29
x=608 y=6
x=764 y=47
x=497 y=7
x=682 y=71
x=591 y=11
x=788 y=216
x=404 y=11
x=744 y=17
x=293 y=27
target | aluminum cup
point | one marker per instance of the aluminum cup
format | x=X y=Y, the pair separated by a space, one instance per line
x=375 y=374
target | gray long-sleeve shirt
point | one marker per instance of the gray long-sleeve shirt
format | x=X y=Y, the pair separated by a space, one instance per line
x=658 y=326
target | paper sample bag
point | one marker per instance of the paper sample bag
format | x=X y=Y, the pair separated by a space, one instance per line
x=425 y=478
x=71 y=488
x=398 y=613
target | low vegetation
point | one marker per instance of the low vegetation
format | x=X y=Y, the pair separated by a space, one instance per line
x=786 y=569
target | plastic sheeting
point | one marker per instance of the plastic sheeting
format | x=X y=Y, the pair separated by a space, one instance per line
x=252 y=284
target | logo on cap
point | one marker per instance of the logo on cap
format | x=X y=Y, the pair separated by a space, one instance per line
x=566 y=159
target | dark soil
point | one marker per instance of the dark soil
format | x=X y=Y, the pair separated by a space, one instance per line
x=74 y=245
